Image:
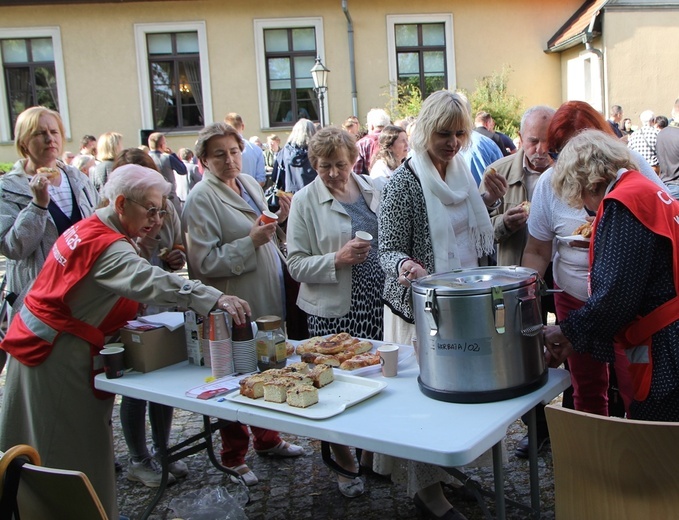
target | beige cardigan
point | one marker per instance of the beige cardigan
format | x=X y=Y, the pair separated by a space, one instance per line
x=216 y=223
x=319 y=226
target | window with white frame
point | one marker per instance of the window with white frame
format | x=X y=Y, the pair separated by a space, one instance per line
x=173 y=76
x=421 y=52
x=32 y=74
x=286 y=50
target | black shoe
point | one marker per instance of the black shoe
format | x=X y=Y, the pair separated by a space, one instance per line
x=118 y=466
x=460 y=493
x=521 y=450
x=451 y=514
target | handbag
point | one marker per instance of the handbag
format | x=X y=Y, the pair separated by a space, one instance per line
x=278 y=183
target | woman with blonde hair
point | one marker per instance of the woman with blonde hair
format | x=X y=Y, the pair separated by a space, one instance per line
x=432 y=219
x=633 y=274
x=40 y=198
x=292 y=169
x=108 y=146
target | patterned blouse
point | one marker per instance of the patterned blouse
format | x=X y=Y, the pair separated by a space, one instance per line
x=630 y=276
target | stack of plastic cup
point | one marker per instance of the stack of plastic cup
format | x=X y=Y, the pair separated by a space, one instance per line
x=244 y=350
x=221 y=354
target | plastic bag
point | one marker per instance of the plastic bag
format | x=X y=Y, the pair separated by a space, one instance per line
x=211 y=504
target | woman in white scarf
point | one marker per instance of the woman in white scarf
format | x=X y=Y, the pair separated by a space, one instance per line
x=432 y=220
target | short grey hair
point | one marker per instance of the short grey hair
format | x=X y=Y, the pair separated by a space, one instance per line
x=80 y=161
x=378 y=118
x=302 y=133
x=647 y=116
x=134 y=182
x=215 y=130
x=441 y=111
x=588 y=163
x=544 y=110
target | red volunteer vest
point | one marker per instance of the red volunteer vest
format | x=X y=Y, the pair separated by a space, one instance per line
x=46 y=314
x=659 y=212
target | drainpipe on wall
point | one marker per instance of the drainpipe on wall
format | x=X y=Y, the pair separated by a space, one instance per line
x=588 y=37
x=352 y=58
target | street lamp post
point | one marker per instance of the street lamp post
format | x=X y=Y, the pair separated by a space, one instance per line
x=319 y=73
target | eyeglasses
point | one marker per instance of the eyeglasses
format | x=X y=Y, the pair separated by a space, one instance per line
x=553 y=155
x=151 y=212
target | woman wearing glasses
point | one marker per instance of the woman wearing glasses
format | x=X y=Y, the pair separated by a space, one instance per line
x=161 y=246
x=229 y=247
x=89 y=287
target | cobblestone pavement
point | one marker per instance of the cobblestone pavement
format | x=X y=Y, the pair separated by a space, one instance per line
x=303 y=488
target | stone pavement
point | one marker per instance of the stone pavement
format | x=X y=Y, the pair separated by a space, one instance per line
x=303 y=488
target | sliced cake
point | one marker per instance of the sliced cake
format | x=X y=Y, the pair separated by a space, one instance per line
x=302 y=396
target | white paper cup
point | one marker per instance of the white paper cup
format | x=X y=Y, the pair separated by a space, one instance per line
x=388 y=359
x=364 y=235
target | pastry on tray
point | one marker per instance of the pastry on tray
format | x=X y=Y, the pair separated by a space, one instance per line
x=333 y=350
x=361 y=361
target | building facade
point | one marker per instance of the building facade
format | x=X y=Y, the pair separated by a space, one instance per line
x=134 y=66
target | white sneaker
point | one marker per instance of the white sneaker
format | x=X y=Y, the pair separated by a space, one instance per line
x=148 y=472
x=179 y=469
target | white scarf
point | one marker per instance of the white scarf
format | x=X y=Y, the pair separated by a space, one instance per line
x=459 y=187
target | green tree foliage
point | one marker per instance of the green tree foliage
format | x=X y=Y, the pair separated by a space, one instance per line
x=406 y=103
x=492 y=95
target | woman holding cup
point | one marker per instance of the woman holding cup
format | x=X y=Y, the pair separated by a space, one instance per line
x=231 y=244
x=332 y=234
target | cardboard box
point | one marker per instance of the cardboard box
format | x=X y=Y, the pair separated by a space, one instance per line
x=195 y=344
x=148 y=350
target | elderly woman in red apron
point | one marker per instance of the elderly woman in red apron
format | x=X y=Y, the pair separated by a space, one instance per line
x=88 y=288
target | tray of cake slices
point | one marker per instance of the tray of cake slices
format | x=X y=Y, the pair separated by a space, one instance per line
x=314 y=392
x=345 y=353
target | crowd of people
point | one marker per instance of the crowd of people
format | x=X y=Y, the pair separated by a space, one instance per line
x=438 y=192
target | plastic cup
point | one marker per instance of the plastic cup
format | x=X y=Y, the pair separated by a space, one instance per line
x=114 y=360
x=268 y=217
x=364 y=235
x=388 y=359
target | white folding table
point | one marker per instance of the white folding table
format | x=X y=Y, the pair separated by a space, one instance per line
x=399 y=421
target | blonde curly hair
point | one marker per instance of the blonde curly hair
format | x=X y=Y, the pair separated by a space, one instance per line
x=587 y=164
